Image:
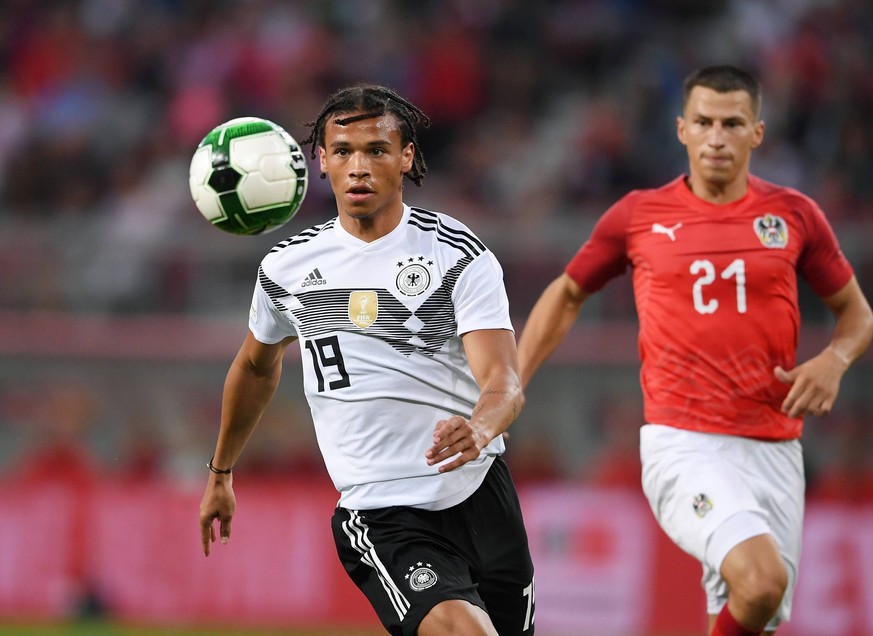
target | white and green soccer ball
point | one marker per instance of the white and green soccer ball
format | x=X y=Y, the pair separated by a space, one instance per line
x=248 y=176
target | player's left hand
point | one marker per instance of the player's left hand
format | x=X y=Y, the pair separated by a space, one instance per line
x=814 y=384
x=455 y=436
x=218 y=503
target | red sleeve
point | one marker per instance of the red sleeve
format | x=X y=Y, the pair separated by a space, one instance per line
x=604 y=255
x=822 y=263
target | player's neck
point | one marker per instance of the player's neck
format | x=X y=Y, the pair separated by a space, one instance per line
x=718 y=193
x=373 y=225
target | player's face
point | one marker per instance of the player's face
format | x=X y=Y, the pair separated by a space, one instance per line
x=719 y=131
x=365 y=162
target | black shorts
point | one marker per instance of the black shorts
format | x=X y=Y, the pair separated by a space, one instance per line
x=407 y=560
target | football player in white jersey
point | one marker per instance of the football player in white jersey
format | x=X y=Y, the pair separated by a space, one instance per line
x=411 y=374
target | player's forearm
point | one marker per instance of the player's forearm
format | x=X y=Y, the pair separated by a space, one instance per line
x=852 y=335
x=551 y=318
x=853 y=329
x=246 y=396
x=499 y=405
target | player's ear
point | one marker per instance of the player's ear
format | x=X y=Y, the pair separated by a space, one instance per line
x=759 y=133
x=680 y=129
x=322 y=160
x=407 y=156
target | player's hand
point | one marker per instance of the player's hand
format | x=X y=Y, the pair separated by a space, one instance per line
x=455 y=436
x=814 y=384
x=219 y=503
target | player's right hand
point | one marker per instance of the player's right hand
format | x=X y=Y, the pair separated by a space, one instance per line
x=455 y=437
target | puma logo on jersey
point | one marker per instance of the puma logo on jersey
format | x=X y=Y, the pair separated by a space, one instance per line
x=657 y=228
x=314 y=278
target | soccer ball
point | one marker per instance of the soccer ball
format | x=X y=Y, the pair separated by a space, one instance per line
x=248 y=176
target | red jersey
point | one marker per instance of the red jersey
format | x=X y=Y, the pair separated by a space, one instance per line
x=716 y=295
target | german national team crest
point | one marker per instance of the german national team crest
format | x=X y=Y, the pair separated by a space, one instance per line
x=413 y=279
x=702 y=505
x=772 y=231
x=363 y=308
x=421 y=576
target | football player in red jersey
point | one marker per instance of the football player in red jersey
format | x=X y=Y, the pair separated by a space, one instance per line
x=715 y=256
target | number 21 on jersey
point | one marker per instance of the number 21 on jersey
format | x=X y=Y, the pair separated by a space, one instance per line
x=706 y=273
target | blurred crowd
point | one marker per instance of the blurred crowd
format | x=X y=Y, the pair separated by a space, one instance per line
x=543 y=114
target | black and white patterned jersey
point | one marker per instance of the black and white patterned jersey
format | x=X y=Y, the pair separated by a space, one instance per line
x=379 y=328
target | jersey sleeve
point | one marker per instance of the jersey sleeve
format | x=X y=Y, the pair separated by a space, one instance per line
x=480 y=296
x=822 y=263
x=604 y=255
x=267 y=322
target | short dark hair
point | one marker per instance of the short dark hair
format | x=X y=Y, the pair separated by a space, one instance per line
x=372 y=100
x=724 y=79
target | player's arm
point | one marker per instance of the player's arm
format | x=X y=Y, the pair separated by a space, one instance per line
x=816 y=383
x=602 y=257
x=249 y=386
x=494 y=362
x=550 y=319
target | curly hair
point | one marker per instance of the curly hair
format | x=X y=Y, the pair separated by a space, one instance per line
x=371 y=100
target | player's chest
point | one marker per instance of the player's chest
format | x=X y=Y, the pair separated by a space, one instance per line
x=409 y=274
x=677 y=243
x=392 y=294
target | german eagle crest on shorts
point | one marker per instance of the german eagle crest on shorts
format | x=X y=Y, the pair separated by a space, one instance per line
x=421 y=577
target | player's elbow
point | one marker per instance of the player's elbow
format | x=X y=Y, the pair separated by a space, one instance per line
x=573 y=294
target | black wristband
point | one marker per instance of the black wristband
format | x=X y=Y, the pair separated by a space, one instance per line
x=218 y=471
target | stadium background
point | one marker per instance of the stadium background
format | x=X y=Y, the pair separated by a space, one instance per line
x=120 y=308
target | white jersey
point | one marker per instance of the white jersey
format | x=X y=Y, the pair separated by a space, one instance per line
x=379 y=327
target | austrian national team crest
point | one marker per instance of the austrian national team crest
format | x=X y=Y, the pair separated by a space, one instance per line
x=702 y=505
x=363 y=308
x=772 y=231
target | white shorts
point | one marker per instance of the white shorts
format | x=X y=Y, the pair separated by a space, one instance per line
x=711 y=492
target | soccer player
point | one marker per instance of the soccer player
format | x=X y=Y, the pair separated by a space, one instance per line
x=715 y=256
x=411 y=374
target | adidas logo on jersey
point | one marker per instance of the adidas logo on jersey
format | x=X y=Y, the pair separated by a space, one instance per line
x=314 y=278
